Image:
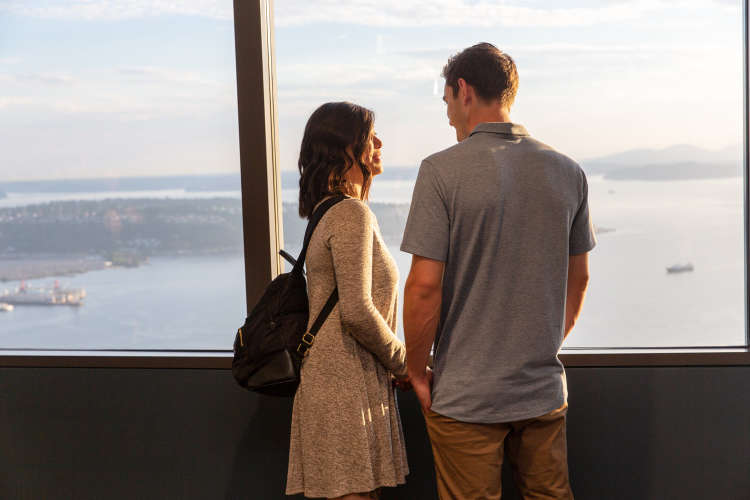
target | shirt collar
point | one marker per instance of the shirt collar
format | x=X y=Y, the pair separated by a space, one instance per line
x=502 y=128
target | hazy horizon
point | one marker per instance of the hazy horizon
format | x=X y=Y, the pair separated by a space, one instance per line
x=721 y=155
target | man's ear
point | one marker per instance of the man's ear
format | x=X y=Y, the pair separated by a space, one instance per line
x=465 y=92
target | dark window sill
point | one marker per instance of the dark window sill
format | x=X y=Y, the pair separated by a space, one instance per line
x=223 y=359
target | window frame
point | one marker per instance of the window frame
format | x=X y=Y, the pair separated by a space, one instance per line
x=262 y=223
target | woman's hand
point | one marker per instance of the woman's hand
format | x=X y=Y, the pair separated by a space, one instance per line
x=403 y=383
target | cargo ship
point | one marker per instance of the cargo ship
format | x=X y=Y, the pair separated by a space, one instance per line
x=55 y=296
x=680 y=268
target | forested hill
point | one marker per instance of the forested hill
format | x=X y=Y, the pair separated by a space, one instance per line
x=150 y=227
x=391 y=219
x=143 y=226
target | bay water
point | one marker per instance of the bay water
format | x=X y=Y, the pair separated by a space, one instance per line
x=196 y=303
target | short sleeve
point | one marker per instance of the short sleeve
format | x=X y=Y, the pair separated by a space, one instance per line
x=582 y=238
x=427 y=231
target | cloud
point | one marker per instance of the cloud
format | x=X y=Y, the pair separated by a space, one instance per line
x=318 y=91
x=10 y=60
x=337 y=75
x=441 y=54
x=423 y=66
x=117 y=9
x=6 y=102
x=152 y=73
x=483 y=13
x=380 y=45
x=365 y=83
x=121 y=102
x=614 y=48
x=44 y=78
x=129 y=105
x=129 y=92
x=381 y=13
x=478 y=13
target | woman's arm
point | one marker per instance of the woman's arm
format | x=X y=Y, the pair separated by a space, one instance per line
x=351 y=248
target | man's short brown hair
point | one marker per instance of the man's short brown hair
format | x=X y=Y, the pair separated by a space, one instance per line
x=489 y=70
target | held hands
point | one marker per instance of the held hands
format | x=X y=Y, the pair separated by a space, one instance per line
x=403 y=384
x=422 y=386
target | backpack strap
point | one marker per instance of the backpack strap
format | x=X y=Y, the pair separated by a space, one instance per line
x=309 y=337
x=314 y=219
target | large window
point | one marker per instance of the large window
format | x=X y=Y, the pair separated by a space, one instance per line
x=120 y=211
x=120 y=166
x=647 y=96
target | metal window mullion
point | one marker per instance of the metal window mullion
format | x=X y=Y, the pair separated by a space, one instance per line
x=746 y=157
x=256 y=109
x=272 y=139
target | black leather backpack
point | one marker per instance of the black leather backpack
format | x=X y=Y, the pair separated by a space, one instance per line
x=270 y=346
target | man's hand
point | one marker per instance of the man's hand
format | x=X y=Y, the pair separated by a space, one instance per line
x=422 y=302
x=422 y=386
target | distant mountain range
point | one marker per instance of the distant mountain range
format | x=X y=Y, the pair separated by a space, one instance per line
x=675 y=171
x=216 y=182
x=680 y=162
x=290 y=178
x=672 y=163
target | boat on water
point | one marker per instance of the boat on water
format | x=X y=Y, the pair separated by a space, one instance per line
x=55 y=296
x=5 y=307
x=680 y=268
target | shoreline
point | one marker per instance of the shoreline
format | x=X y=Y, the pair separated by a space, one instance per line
x=17 y=269
x=34 y=268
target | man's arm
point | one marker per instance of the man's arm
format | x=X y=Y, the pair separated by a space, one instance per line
x=422 y=299
x=578 y=280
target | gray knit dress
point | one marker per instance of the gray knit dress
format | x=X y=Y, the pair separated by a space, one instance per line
x=346 y=434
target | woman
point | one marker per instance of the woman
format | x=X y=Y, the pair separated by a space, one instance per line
x=346 y=436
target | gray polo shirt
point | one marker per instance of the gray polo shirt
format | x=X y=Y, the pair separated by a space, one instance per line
x=504 y=212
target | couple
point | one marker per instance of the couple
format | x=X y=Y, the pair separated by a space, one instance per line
x=499 y=232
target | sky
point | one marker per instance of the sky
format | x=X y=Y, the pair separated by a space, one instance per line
x=99 y=88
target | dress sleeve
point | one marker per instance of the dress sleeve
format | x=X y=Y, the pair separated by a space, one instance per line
x=351 y=248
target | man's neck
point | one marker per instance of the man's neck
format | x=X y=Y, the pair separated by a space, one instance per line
x=487 y=114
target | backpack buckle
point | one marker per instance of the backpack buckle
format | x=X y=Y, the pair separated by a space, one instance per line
x=307 y=341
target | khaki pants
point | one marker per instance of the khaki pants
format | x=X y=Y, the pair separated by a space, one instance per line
x=469 y=457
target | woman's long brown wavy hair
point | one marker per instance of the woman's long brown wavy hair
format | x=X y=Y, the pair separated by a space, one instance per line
x=323 y=159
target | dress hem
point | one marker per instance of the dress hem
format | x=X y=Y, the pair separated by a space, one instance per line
x=347 y=491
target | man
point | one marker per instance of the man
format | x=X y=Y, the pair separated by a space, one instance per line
x=499 y=231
